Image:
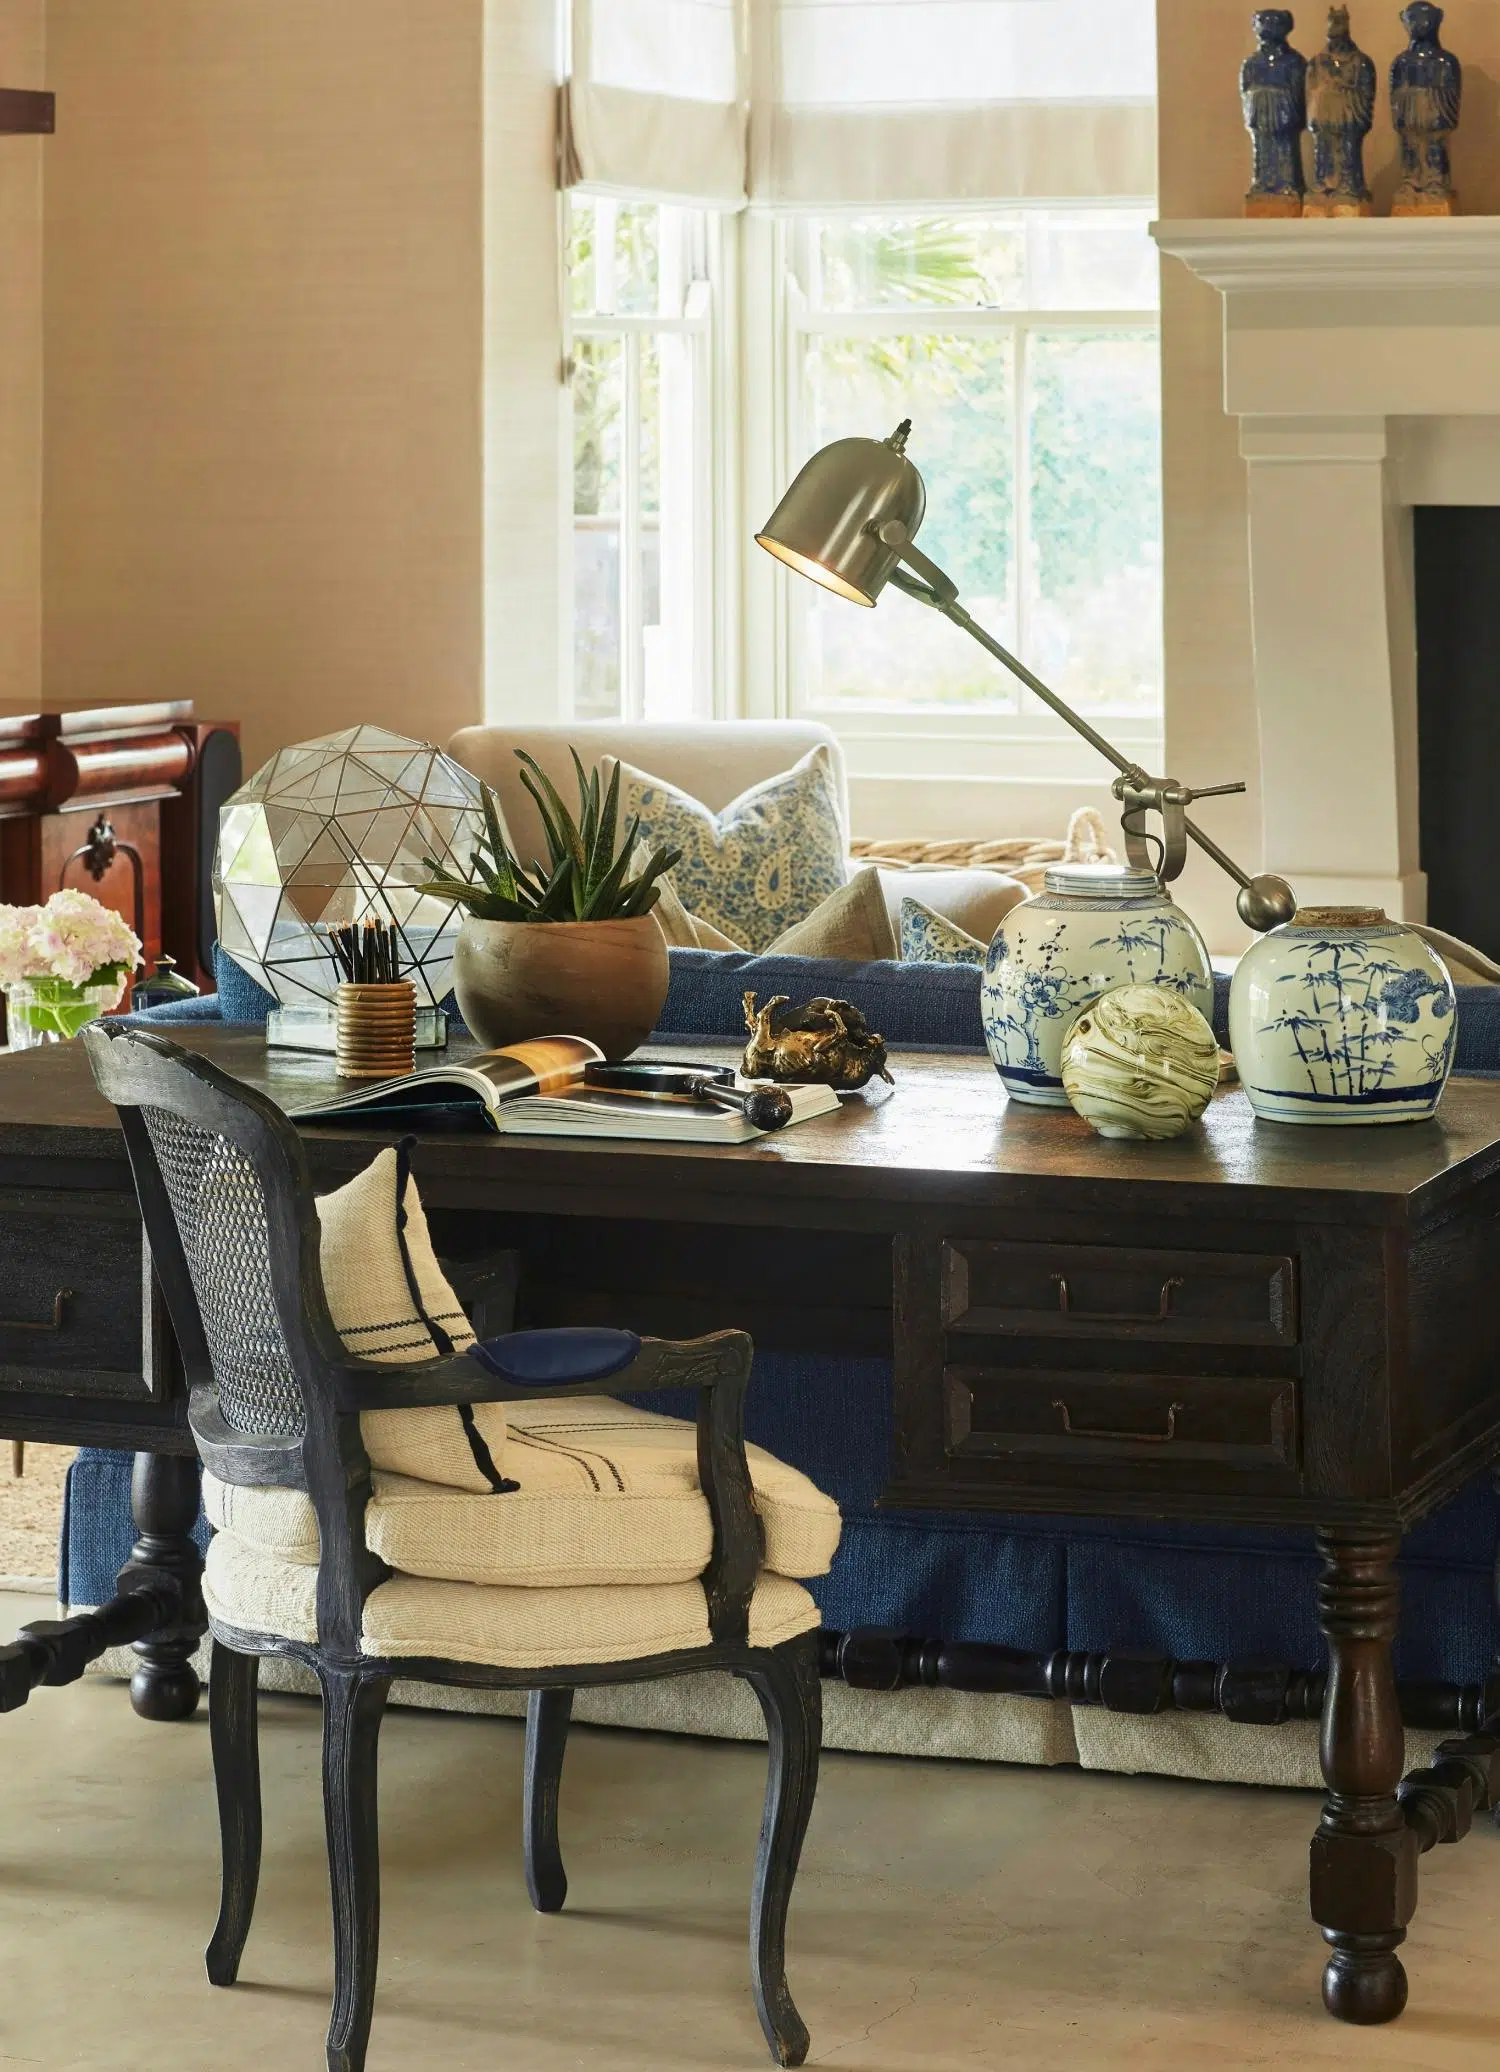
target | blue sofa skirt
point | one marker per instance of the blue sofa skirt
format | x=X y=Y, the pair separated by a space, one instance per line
x=1193 y=1592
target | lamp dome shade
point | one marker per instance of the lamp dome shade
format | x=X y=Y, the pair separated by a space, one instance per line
x=827 y=526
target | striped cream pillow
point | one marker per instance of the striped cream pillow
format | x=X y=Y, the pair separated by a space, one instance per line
x=391 y=1303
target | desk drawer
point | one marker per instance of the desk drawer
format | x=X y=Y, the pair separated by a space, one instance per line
x=1097 y=1291
x=71 y=1296
x=1172 y=1422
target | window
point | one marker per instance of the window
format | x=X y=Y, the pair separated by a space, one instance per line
x=641 y=312
x=1023 y=345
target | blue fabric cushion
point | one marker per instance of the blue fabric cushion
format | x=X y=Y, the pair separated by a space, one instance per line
x=574 y=1352
x=924 y=1006
x=204 y=1009
x=240 y=998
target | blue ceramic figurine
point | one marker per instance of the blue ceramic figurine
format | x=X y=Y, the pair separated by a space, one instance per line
x=1427 y=87
x=1273 y=92
x=1340 y=110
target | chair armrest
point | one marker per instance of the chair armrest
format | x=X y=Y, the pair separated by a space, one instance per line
x=717 y=1366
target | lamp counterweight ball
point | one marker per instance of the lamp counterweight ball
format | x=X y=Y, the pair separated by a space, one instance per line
x=849 y=522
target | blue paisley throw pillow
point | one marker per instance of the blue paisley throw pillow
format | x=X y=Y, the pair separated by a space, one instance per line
x=761 y=865
x=926 y=938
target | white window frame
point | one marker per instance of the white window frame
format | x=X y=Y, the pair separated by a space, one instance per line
x=1026 y=747
x=689 y=263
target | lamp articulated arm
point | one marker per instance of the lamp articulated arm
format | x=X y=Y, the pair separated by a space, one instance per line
x=1264 y=901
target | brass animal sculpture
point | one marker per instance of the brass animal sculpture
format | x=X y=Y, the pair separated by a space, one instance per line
x=827 y=1041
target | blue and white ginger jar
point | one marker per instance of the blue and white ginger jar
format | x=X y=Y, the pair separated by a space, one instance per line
x=1095 y=926
x=1342 y=1016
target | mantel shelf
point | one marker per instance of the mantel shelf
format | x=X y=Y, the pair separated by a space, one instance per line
x=1319 y=255
x=24 y=113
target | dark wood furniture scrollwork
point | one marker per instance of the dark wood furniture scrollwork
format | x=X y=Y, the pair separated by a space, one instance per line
x=120 y=802
x=1327 y=1356
x=187 y=1127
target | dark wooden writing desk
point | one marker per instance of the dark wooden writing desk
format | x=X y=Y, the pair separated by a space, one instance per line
x=1269 y=1325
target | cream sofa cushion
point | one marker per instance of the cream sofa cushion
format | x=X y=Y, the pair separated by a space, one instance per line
x=711 y=760
x=974 y=901
x=607 y=1494
x=396 y=1309
x=513 y=1629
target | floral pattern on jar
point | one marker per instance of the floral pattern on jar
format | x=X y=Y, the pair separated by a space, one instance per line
x=1093 y=928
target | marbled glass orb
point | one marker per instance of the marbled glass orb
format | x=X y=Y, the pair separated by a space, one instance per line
x=1140 y=1062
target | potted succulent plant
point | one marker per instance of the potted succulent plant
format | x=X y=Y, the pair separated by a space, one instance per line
x=570 y=947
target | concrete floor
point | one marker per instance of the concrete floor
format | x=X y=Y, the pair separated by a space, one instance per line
x=950 y=1917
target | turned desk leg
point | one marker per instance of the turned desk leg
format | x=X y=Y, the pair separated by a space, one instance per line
x=164 y=1504
x=1363 y=1873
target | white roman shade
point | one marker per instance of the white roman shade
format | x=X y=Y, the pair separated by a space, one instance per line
x=832 y=103
x=893 y=101
x=654 y=102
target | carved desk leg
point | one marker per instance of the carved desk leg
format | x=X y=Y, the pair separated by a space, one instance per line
x=1364 y=1857
x=164 y=1504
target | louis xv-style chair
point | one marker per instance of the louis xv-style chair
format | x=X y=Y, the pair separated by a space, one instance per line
x=275 y=1407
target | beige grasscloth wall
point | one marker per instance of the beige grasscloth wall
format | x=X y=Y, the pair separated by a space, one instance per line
x=1204 y=169
x=22 y=64
x=271 y=362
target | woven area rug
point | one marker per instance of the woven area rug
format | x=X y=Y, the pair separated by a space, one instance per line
x=31 y=1513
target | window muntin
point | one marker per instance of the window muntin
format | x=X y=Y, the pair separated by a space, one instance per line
x=1024 y=346
x=637 y=275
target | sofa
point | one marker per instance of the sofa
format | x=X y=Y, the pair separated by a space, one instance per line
x=1213 y=1592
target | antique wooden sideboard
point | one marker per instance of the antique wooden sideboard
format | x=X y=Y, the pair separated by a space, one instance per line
x=1270 y=1325
x=121 y=802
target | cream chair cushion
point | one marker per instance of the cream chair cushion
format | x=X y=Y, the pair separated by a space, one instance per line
x=512 y=1629
x=608 y=1495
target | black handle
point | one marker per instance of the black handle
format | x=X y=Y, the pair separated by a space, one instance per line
x=763 y=1107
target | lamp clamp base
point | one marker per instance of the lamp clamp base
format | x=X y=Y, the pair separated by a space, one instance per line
x=1140 y=794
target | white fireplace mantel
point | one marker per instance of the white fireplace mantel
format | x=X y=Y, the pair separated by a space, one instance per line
x=1362 y=359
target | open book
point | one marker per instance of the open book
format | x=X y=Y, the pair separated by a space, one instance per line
x=538 y=1089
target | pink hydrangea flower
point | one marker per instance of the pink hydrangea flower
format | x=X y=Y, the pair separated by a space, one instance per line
x=18 y=955
x=73 y=937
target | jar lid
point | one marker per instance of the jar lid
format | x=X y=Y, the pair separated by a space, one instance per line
x=1104 y=881
x=1340 y=917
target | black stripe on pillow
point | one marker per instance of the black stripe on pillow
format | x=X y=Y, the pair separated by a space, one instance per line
x=484 y=1460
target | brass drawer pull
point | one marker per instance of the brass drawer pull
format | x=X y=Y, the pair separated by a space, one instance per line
x=1100 y=1316
x=60 y=1303
x=1129 y=1438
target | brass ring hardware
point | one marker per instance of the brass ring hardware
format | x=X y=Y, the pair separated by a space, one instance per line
x=1126 y=1438
x=1101 y=1316
x=60 y=1302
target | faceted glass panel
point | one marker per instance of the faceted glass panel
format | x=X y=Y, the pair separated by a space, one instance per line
x=333 y=833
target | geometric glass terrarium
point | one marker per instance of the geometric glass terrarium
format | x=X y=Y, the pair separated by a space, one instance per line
x=332 y=833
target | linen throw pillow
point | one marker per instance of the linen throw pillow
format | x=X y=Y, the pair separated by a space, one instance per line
x=762 y=864
x=392 y=1303
x=929 y=938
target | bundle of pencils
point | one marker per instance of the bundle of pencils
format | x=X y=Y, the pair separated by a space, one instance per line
x=367 y=956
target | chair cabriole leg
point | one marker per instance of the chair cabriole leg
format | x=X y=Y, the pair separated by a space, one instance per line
x=547 y=1715
x=787 y=1683
x=233 y=1694
x=352 y=1708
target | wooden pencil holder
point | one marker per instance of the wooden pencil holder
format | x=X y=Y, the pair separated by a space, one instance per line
x=375 y=1030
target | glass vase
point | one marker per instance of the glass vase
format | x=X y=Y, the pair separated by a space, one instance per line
x=51 y=1010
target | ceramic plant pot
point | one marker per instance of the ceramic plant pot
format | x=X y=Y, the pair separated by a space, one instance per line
x=606 y=980
x=1141 y=1062
x=1342 y=1017
x=1095 y=927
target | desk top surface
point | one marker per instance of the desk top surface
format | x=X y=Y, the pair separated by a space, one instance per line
x=944 y=1133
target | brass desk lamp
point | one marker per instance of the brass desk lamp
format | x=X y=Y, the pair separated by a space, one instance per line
x=850 y=520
